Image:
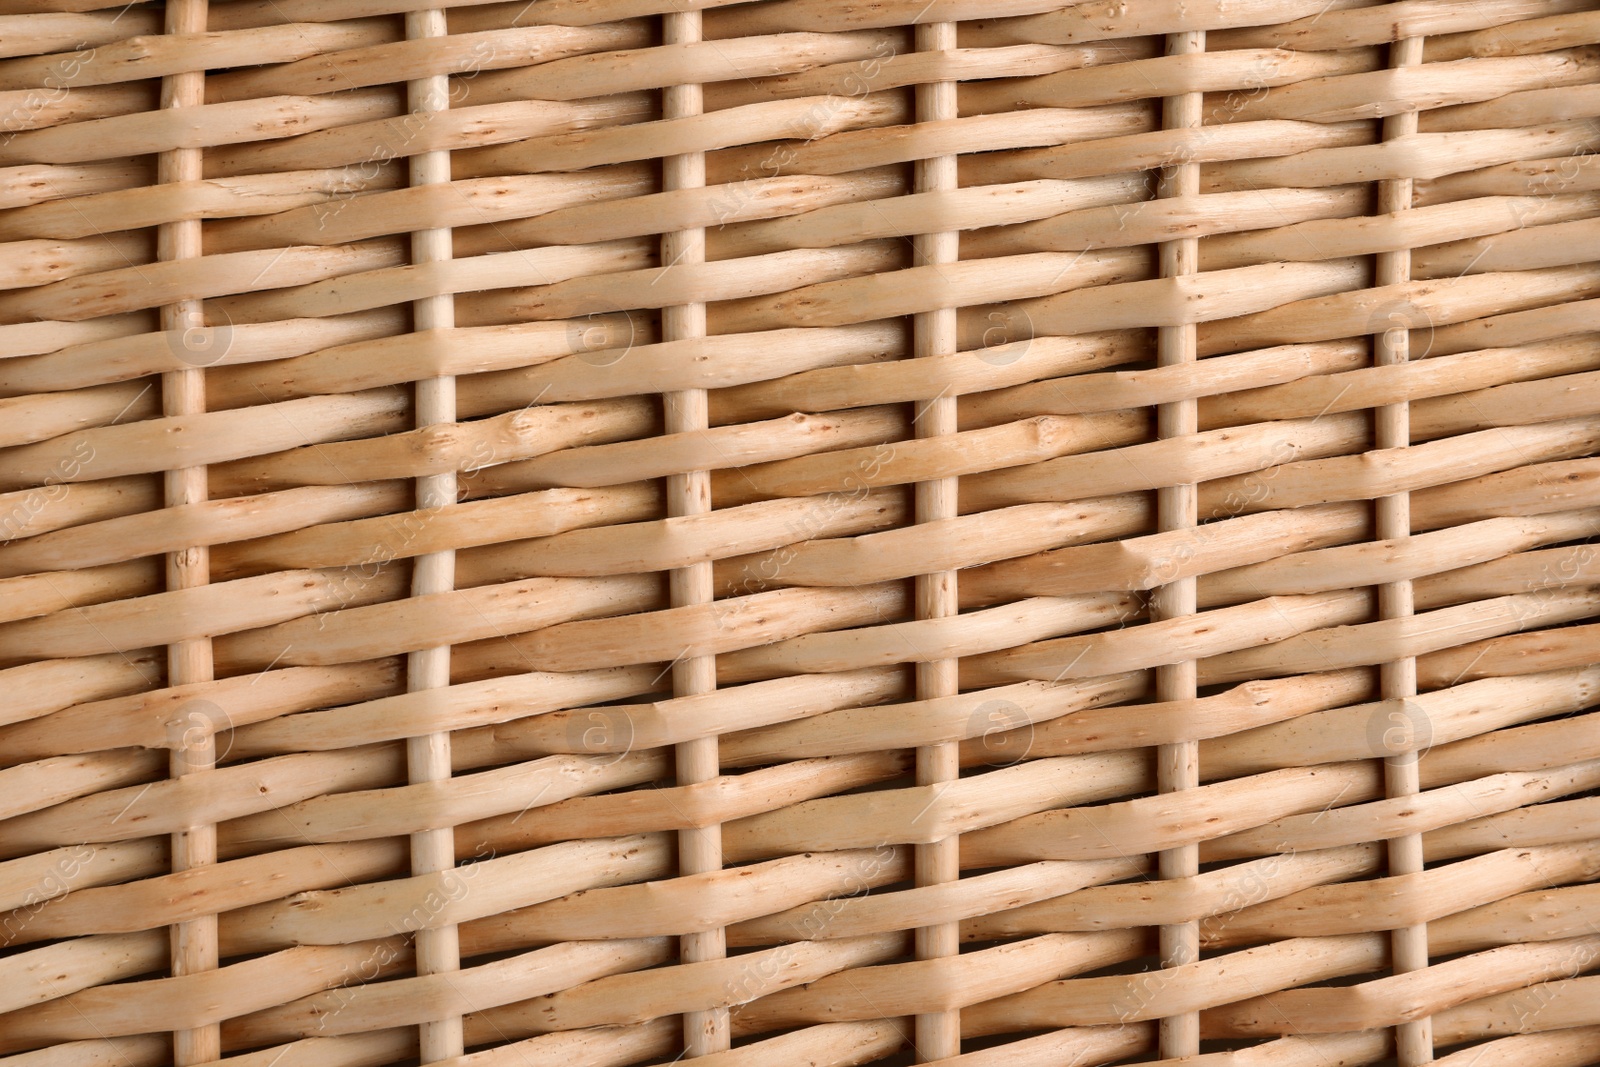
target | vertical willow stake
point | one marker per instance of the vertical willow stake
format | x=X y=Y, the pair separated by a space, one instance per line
x=938 y=1035
x=1177 y=508
x=699 y=848
x=183 y=392
x=428 y=756
x=1398 y=678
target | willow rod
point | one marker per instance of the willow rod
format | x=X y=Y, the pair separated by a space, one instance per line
x=937 y=1034
x=1177 y=508
x=1397 y=678
x=438 y=948
x=688 y=494
x=189 y=661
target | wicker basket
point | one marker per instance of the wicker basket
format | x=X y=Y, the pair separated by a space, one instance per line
x=581 y=533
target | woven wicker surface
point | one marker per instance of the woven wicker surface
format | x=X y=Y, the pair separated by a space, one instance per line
x=596 y=532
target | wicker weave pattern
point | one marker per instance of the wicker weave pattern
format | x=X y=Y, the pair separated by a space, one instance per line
x=596 y=532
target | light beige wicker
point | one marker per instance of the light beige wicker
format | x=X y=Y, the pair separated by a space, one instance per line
x=580 y=533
